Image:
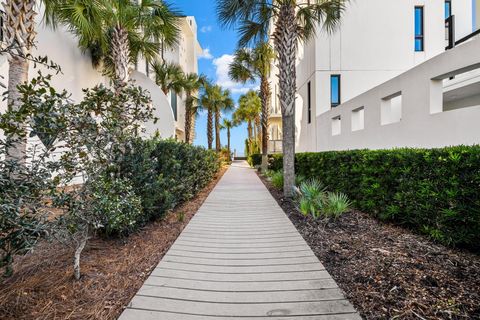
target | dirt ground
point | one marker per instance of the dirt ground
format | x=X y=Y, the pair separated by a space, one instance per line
x=387 y=271
x=43 y=286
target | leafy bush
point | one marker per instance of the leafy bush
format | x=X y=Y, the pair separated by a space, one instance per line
x=276 y=178
x=165 y=173
x=434 y=191
x=254 y=160
x=116 y=205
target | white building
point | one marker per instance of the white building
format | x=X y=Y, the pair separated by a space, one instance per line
x=367 y=81
x=78 y=73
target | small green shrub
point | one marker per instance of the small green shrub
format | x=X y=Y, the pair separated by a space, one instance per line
x=116 y=205
x=277 y=179
x=314 y=200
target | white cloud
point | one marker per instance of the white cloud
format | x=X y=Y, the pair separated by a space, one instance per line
x=205 y=29
x=206 y=54
x=222 y=64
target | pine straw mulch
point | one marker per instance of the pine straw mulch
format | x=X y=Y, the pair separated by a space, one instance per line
x=388 y=272
x=43 y=286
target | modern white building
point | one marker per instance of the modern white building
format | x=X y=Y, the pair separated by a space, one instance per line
x=78 y=73
x=367 y=81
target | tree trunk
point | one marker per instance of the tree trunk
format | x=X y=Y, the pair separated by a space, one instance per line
x=228 y=144
x=265 y=95
x=210 y=129
x=120 y=55
x=218 y=145
x=285 y=40
x=19 y=37
x=188 y=117
x=76 y=258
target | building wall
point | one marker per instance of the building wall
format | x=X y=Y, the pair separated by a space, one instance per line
x=78 y=73
x=374 y=43
x=428 y=115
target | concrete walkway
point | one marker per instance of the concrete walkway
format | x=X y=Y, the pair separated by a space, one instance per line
x=240 y=257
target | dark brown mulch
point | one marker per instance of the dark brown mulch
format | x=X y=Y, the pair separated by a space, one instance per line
x=43 y=286
x=388 y=272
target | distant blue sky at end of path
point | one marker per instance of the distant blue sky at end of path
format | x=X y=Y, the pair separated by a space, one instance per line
x=219 y=46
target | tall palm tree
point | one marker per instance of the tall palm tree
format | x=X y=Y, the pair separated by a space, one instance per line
x=207 y=103
x=228 y=125
x=292 y=21
x=224 y=103
x=116 y=32
x=248 y=65
x=168 y=76
x=249 y=109
x=191 y=84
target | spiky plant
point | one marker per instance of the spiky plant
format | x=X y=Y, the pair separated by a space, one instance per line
x=289 y=22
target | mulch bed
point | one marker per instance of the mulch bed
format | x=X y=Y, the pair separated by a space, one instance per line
x=388 y=272
x=43 y=286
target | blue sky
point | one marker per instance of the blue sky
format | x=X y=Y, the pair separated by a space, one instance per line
x=219 y=46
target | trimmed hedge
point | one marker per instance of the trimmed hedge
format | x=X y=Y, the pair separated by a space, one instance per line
x=434 y=191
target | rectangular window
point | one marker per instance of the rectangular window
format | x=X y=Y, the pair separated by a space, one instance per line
x=309 y=101
x=419 y=29
x=173 y=102
x=448 y=9
x=336 y=126
x=2 y=15
x=335 y=92
x=358 y=119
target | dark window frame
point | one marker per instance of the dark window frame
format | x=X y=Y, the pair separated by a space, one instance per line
x=420 y=36
x=2 y=22
x=336 y=104
x=309 y=102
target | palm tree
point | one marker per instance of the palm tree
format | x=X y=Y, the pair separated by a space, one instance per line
x=206 y=103
x=228 y=124
x=249 y=65
x=224 y=104
x=168 y=76
x=291 y=22
x=116 y=32
x=191 y=84
x=248 y=111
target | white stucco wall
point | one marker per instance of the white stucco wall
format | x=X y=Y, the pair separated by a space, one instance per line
x=422 y=122
x=374 y=43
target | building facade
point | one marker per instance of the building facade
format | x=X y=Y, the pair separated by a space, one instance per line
x=376 y=42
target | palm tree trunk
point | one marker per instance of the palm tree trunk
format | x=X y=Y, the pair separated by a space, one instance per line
x=188 y=117
x=285 y=37
x=218 y=144
x=120 y=55
x=250 y=137
x=265 y=95
x=19 y=36
x=210 y=129
x=228 y=143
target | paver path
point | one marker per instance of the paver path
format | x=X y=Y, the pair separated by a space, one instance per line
x=240 y=257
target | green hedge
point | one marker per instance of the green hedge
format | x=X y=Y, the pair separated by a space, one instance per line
x=166 y=173
x=435 y=191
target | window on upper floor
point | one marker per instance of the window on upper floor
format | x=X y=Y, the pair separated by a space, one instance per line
x=309 y=102
x=419 y=29
x=335 y=90
x=448 y=9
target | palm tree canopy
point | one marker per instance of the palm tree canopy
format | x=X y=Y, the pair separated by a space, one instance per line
x=169 y=76
x=216 y=99
x=249 y=64
x=147 y=22
x=249 y=107
x=252 y=17
x=227 y=124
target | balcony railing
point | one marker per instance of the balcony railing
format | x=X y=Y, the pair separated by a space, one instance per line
x=275 y=146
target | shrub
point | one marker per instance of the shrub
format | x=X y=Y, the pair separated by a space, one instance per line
x=314 y=200
x=434 y=191
x=276 y=178
x=254 y=160
x=116 y=205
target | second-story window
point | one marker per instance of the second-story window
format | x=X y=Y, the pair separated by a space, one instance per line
x=448 y=9
x=419 y=30
x=309 y=102
x=335 y=90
